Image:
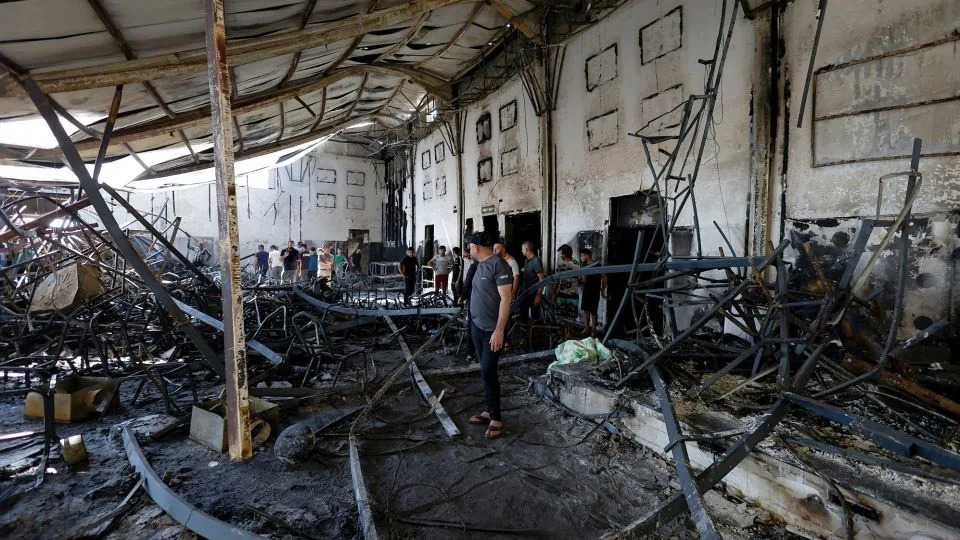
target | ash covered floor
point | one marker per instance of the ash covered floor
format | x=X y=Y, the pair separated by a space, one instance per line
x=551 y=474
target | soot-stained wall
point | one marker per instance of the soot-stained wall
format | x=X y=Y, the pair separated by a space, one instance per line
x=631 y=71
x=885 y=72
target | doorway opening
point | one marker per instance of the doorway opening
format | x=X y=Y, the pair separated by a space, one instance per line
x=630 y=216
x=521 y=228
x=427 y=243
x=469 y=227
x=491 y=225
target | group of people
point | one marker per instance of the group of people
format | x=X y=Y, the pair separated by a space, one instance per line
x=487 y=279
x=302 y=263
x=452 y=274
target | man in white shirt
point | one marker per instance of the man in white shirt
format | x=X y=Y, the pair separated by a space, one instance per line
x=501 y=251
x=276 y=263
x=442 y=264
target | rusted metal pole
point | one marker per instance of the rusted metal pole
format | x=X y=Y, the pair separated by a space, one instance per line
x=235 y=357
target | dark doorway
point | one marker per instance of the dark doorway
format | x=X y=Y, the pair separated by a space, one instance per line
x=632 y=215
x=469 y=226
x=491 y=225
x=521 y=228
x=427 y=243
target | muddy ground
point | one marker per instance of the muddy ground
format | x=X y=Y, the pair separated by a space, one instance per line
x=550 y=475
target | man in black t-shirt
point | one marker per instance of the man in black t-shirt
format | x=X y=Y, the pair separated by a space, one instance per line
x=290 y=257
x=408 y=268
x=355 y=261
x=491 y=291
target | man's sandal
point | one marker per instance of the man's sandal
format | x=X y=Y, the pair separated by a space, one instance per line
x=494 y=432
x=478 y=419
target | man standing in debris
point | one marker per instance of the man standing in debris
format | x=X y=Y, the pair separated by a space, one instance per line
x=355 y=260
x=325 y=263
x=263 y=262
x=276 y=262
x=408 y=269
x=441 y=264
x=501 y=251
x=456 y=276
x=592 y=287
x=532 y=274
x=312 y=264
x=303 y=265
x=470 y=270
x=338 y=260
x=565 y=292
x=290 y=257
x=490 y=295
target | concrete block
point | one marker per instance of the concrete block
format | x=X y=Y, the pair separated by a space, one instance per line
x=209 y=428
x=75 y=398
x=73 y=449
x=66 y=288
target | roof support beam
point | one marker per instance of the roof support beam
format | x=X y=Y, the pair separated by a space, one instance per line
x=514 y=19
x=323 y=109
x=304 y=19
x=463 y=28
x=200 y=117
x=261 y=150
x=243 y=52
x=403 y=41
x=107 y=130
x=235 y=350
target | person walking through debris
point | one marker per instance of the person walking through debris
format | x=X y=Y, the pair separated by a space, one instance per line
x=532 y=274
x=263 y=262
x=338 y=260
x=303 y=264
x=501 y=251
x=324 y=263
x=456 y=276
x=312 y=264
x=471 y=270
x=408 y=269
x=441 y=263
x=592 y=287
x=490 y=296
x=355 y=259
x=566 y=291
x=290 y=257
x=276 y=262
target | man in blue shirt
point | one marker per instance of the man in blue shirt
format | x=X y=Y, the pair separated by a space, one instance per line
x=263 y=261
x=312 y=264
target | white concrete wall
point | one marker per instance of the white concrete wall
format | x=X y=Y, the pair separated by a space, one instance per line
x=638 y=88
x=285 y=207
x=516 y=181
x=437 y=189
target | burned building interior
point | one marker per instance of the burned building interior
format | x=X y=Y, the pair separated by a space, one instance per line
x=229 y=307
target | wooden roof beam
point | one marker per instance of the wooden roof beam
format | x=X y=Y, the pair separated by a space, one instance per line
x=463 y=28
x=242 y=52
x=260 y=150
x=201 y=116
x=520 y=24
